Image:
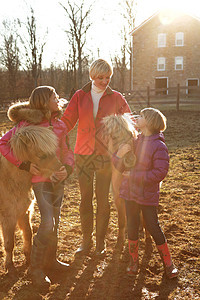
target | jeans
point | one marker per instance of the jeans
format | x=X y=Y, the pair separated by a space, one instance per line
x=49 y=199
x=151 y=220
x=89 y=166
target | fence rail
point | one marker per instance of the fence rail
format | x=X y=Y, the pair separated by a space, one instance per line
x=159 y=96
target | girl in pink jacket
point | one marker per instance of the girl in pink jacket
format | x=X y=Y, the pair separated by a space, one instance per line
x=43 y=110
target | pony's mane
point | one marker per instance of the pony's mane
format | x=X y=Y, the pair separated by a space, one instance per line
x=118 y=128
x=33 y=140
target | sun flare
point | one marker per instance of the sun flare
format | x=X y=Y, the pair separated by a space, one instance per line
x=148 y=8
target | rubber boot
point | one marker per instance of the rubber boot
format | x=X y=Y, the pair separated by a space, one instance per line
x=51 y=264
x=38 y=277
x=170 y=270
x=133 y=266
x=87 y=229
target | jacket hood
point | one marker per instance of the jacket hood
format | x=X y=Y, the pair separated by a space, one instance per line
x=22 y=111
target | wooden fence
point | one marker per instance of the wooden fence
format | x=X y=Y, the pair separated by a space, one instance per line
x=176 y=96
x=188 y=95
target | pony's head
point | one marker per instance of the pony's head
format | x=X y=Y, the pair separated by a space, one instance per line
x=37 y=145
x=117 y=130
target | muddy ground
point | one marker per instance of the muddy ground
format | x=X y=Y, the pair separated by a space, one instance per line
x=105 y=278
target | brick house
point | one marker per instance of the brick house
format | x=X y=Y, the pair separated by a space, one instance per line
x=166 y=51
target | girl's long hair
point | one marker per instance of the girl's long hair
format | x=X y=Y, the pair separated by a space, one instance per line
x=39 y=99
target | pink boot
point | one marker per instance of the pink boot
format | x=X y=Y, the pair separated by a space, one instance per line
x=133 y=266
x=170 y=270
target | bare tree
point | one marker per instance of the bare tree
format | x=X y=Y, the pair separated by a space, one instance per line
x=121 y=67
x=79 y=24
x=33 y=46
x=9 y=55
x=129 y=10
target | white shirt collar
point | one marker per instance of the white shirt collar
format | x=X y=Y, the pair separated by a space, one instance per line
x=95 y=89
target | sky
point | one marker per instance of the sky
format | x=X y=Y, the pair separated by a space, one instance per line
x=106 y=21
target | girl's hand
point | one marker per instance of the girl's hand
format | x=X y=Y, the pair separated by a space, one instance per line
x=34 y=170
x=126 y=173
x=123 y=149
x=61 y=174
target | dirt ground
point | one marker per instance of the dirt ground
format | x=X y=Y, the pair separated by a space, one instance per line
x=105 y=278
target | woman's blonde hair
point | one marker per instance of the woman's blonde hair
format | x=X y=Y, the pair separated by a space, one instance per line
x=100 y=67
x=39 y=99
x=156 y=121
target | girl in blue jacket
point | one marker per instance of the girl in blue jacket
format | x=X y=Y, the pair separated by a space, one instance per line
x=143 y=185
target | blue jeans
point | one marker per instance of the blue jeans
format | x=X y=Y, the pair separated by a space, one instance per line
x=151 y=220
x=49 y=200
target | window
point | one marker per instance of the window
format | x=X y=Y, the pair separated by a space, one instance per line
x=192 y=82
x=179 y=63
x=162 y=40
x=179 y=39
x=161 y=64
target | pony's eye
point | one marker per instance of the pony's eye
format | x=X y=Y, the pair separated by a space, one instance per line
x=44 y=156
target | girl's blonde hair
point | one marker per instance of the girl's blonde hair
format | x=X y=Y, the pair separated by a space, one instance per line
x=100 y=67
x=156 y=121
x=39 y=99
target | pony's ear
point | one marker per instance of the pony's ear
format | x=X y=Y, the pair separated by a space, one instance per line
x=20 y=145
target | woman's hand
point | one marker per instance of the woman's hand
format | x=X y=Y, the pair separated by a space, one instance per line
x=123 y=149
x=61 y=174
x=34 y=170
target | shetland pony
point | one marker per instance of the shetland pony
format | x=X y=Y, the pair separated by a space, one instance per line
x=35 y=144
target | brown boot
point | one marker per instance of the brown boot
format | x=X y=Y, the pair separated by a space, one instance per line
x=85 y=246
x=101 y=229
x=170 y=270
x=133 y=266
x=100 y=247
x=51 y=264
x=38 y=277
x=87 y=229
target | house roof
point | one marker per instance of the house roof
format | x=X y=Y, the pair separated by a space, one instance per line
x=169 y=12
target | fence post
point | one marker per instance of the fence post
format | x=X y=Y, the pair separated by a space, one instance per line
x=148 y=96
x=178 y=97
